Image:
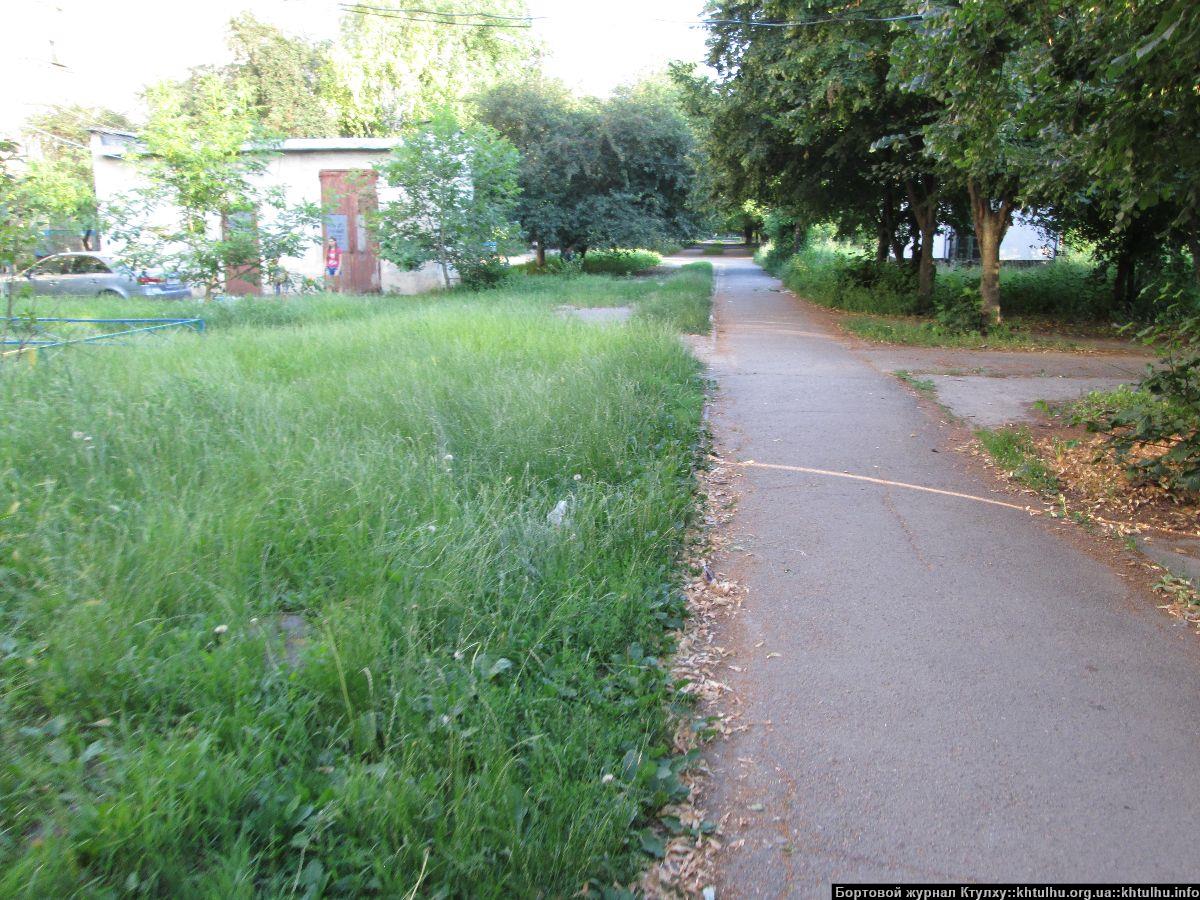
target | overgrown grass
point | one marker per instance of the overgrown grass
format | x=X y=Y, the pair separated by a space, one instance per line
x=620 y=262
x=1012 y=449
x=257 y=312
x=597 y=262
x=924 y=333
x=1097 y=405
x=282 y=611
x=924 y=385
x=681 y=299
x=835 y=275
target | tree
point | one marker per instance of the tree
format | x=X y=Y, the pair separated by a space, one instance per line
x=60 y=173
x=556 y=136
x=979 y=62
x=18 y=215
x=614 y=173
x=457 y=192
x=395 y=67
x=289 y=82
x=804 y=118
x=201 y=212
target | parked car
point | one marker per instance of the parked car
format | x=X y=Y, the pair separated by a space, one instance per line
x=95 y=274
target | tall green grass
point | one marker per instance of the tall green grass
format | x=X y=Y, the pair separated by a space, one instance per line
x=282 y=611
x=681 y=299
x=834 y=274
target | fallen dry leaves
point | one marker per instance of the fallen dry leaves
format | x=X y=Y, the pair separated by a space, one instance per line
x=687 y=868
x=1098 y=485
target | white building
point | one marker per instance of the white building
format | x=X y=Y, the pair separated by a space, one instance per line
x=336 y=173
x=1023 y=242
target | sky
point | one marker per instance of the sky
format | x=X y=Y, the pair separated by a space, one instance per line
x=103 y=53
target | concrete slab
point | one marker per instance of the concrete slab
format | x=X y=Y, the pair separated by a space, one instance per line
x=996 y=401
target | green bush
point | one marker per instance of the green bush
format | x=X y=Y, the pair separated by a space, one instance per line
x=487 y=273
x=960 y=313
x=620 y=262
x=1156 y=429
x=833 y=278
x=1067 y=290
x=835 y=274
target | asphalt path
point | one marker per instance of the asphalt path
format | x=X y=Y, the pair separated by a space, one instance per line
x=933 y=687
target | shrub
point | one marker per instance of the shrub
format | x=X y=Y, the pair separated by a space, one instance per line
x=485 y=274
x=960 y=313
x=830 y=277
x=620 y=262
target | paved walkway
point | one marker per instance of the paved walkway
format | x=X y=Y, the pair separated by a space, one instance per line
x=937 y=688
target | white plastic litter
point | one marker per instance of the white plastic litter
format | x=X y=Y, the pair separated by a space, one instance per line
x=558 y=515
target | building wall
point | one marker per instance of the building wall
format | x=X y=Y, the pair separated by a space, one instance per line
x=1023 y=242
x=299 y=173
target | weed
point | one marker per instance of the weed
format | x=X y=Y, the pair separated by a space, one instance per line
x=1012 y=449
x=924 y=385
x=924 y=333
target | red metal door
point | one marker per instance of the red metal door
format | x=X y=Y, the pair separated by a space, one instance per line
x=241 y=280
x=349 y=197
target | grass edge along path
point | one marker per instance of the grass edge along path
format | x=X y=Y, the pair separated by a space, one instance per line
x=291 y=610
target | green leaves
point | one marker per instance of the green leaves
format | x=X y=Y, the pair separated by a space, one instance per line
x=598 y=174
x=456 y=188
x=202 y=213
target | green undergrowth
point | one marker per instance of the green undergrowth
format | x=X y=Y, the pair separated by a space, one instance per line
x=258 y=312
x=831 y=274
x=597 y=262
x=681 y=299
x=1012 y=449
x=286 y=611
x=925 y=333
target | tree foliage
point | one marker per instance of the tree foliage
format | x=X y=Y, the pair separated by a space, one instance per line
x=395 y=68
x=455 y=199
x=598 y=174
x=202 y=211
x=289 y=83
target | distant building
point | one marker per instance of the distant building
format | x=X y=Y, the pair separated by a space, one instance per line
x=337 y=173
x=1023 y=242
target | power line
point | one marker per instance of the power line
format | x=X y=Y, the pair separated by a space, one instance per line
x=838 y=19
x=378 y=11
x=452 y=18
x=447 y=15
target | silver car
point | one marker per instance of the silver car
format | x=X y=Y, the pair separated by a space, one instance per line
x=84 y=274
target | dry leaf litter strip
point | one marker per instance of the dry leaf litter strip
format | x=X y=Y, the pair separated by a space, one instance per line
x=687 y=868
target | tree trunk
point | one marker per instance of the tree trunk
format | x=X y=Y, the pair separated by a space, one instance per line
x=1194 y=249
x=748 y=235
x=926 y=270
x=1123 y=279
x=887 y=225
x=923 y=201
x=541 y=255
x=991 y=222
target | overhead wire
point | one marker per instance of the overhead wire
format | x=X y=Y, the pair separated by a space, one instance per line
x=437 y=17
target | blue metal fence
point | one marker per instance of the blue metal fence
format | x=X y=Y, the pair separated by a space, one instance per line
x=26 y=345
